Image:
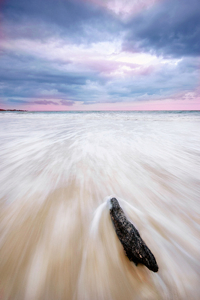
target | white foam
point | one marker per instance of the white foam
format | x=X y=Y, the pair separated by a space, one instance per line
x=55 y=172
x=109 y=204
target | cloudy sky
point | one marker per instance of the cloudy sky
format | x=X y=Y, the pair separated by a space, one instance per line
x=100 y=54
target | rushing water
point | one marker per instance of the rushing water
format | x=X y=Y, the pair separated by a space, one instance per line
x=57 y=241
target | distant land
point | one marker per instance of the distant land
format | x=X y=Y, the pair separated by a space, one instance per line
x=11 y=109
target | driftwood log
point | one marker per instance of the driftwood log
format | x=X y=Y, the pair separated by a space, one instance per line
x=135 y=248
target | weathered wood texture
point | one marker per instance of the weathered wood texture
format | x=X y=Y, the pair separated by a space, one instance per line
x=134 y=246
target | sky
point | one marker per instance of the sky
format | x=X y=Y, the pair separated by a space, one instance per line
x=58 y=55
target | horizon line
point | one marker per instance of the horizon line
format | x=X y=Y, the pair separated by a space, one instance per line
x=119 y=110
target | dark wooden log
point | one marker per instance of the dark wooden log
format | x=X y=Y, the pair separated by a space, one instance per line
x=135 y=248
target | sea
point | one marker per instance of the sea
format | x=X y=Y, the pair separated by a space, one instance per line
x=57 y=171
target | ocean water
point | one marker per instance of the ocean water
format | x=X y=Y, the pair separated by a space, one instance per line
x=57 y=240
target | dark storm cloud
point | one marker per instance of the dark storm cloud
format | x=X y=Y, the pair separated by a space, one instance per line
x=26 y=68
x=24 y=76
x=170 y=28
x=74 y=19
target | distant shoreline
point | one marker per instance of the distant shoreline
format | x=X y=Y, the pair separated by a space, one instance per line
x=12 y=110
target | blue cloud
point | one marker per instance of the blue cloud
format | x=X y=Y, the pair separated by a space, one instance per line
x=170 y=28
x=75 y=20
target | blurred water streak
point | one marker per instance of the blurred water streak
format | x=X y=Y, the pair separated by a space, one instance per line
x=56 y=237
